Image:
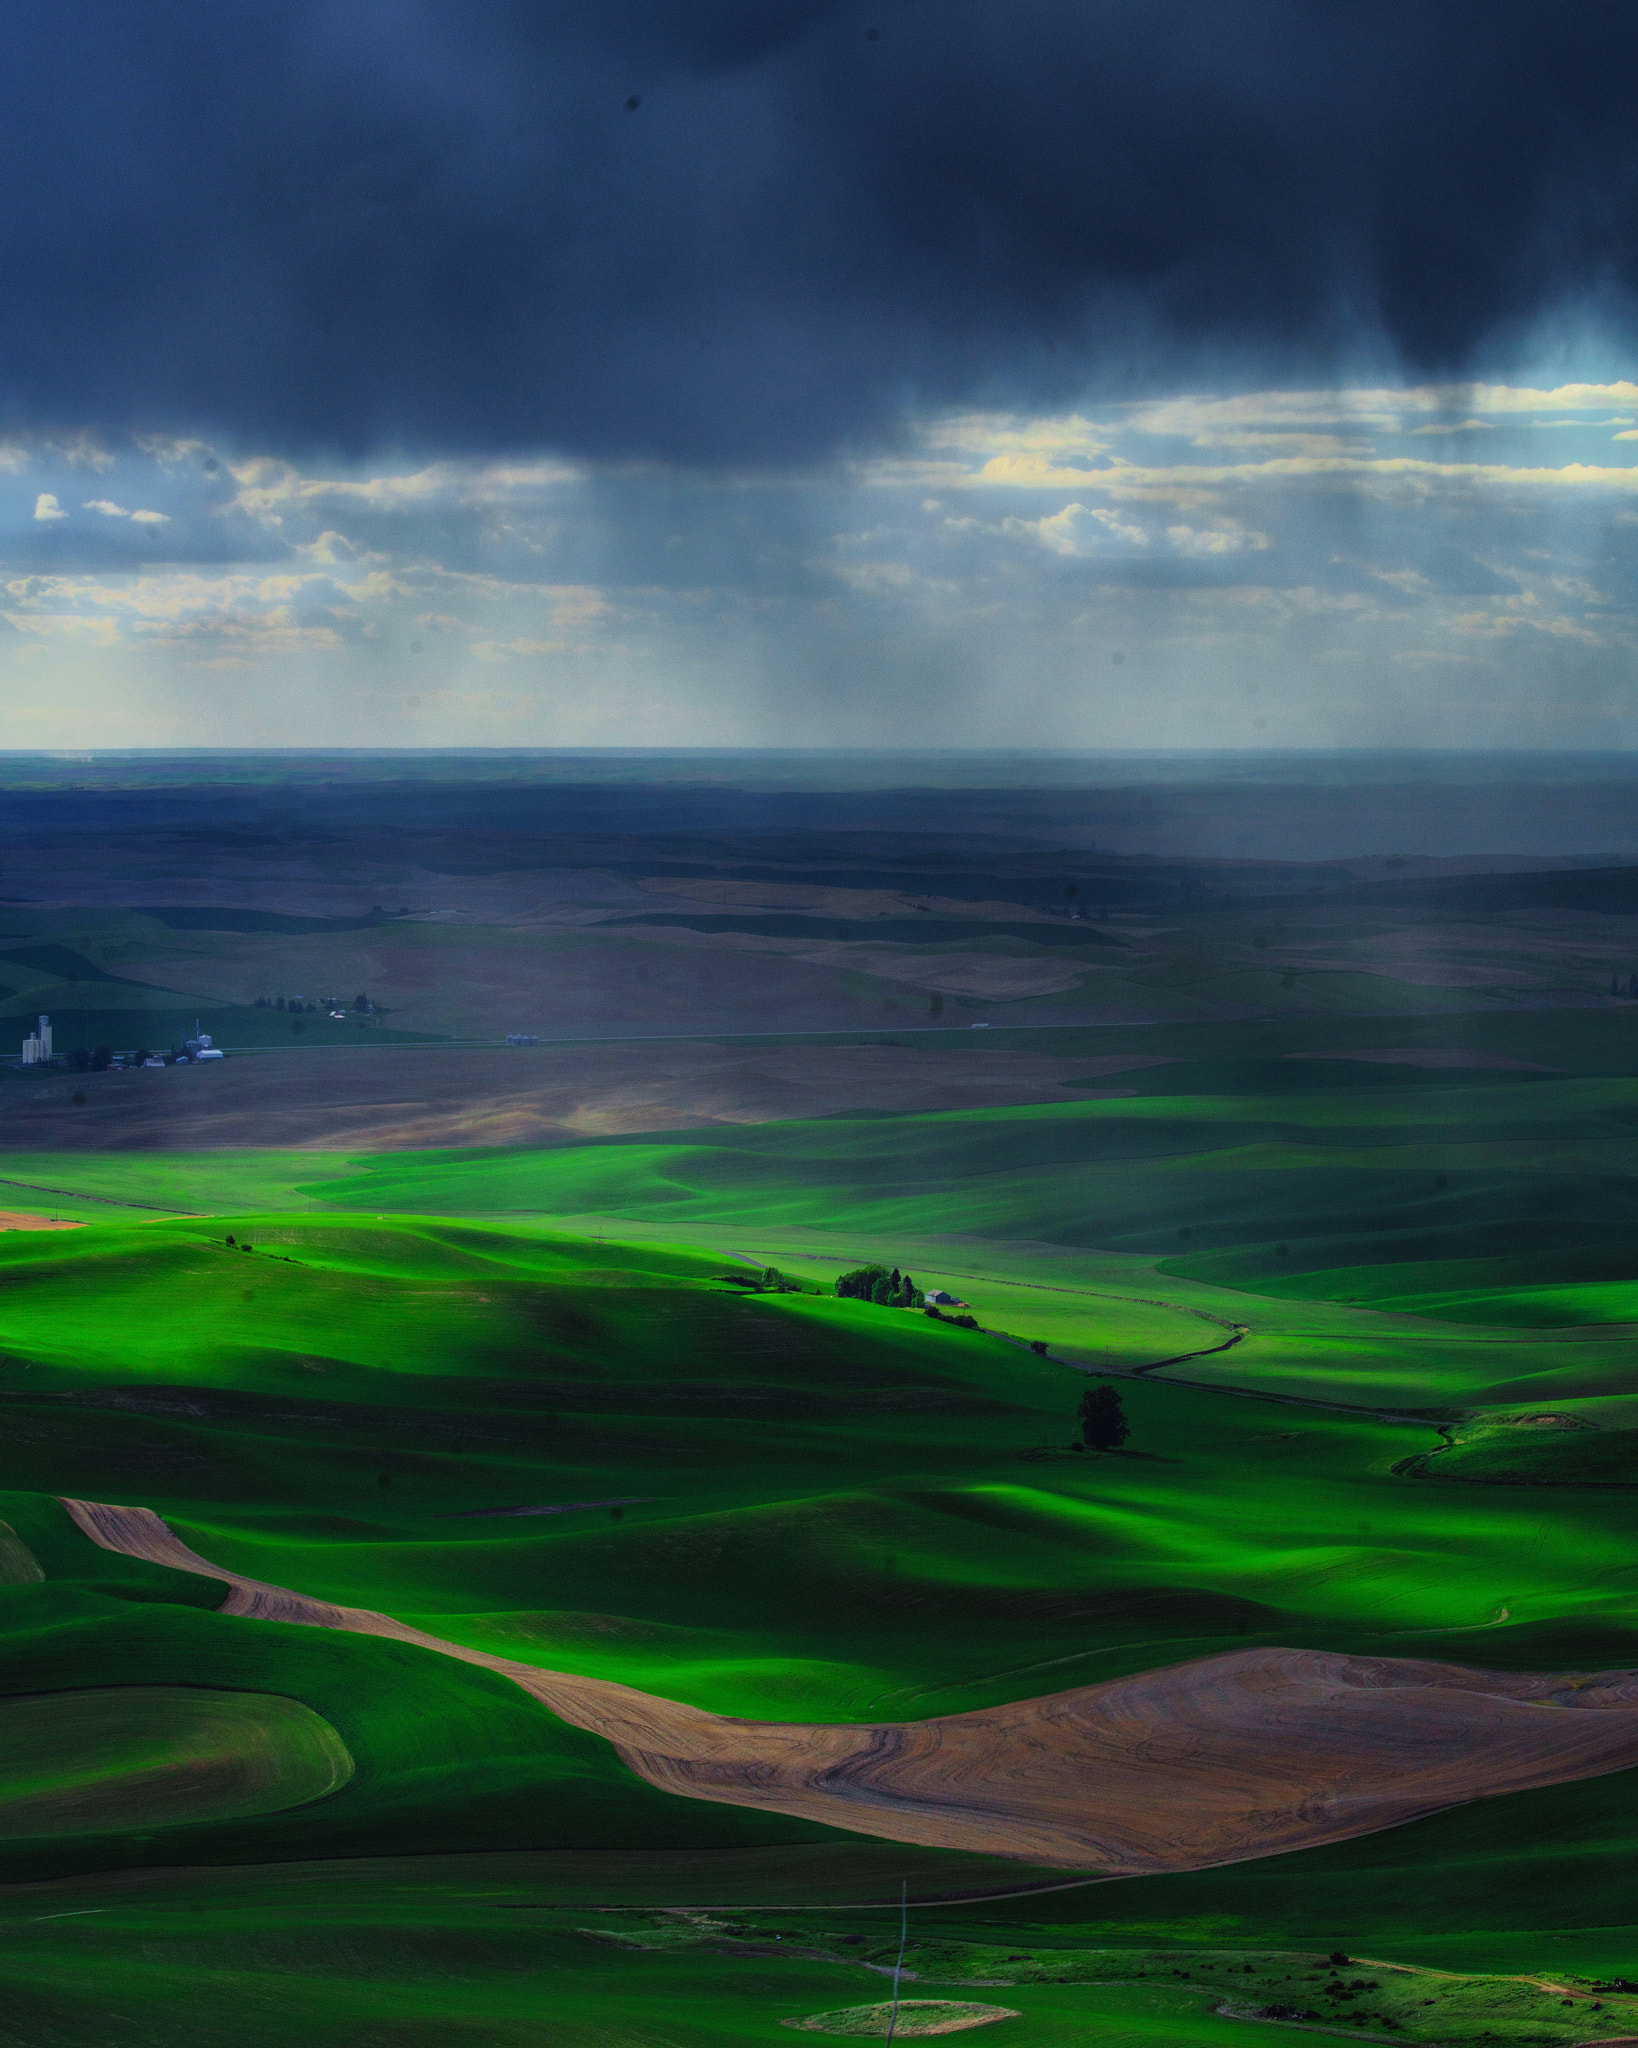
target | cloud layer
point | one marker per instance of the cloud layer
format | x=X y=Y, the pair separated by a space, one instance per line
x=1301 y=567
x=723 y=231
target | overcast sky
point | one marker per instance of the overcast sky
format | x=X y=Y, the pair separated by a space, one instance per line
x=1195 y=374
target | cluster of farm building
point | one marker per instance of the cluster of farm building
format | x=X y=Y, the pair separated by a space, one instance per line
x=39 y=1051
x=321 y=1006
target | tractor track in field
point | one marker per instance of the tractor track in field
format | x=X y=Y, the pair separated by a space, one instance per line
x=1185 y=1767
x=1138 y=1372
x=1238 y=1334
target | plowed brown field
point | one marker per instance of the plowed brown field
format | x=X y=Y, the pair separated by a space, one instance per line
x=1211 y=1762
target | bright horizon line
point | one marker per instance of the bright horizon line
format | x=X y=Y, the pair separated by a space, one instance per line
x=72 y=755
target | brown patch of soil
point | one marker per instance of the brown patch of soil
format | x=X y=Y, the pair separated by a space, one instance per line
x=1253 y=1753
x=21 y=1219
x=916 y=2018
x=380 y=1099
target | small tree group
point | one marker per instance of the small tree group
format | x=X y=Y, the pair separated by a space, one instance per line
x=1103 y=1421
x=769 y=1281
x=875 y=1283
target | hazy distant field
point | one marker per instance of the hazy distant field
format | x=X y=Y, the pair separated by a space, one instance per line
x=465 y=910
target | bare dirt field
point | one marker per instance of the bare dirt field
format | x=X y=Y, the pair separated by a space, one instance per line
x=387 y=1099
x=915 y=2018
x=1228 y=1758
x=21 y=1219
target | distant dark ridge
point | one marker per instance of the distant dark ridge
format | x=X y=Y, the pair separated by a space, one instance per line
x=915 y=931
x=208 y=918
x=1095 y=885
x=1096 y=882
x=1614 y=890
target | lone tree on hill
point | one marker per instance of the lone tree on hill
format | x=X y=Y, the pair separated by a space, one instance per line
x=1103 y=1421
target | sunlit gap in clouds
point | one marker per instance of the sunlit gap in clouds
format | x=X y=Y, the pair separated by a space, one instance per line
x=1370 y=565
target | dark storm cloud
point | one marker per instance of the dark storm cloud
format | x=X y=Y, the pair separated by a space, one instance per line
x=332 y=224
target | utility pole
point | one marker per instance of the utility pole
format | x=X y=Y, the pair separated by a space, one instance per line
x=904 y=1928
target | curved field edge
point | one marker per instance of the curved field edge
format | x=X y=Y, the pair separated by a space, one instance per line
x=94 y=1760
x=1114 y=1777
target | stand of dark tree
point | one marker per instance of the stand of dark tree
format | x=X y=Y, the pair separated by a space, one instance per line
x=875 y=1283
x=769 y=1281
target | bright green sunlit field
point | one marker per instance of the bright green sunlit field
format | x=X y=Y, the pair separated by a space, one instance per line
x=1375 y=1343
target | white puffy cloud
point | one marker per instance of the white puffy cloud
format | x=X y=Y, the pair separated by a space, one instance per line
x=110 y=510
x=1503 y=621
x=1208 y=422
x=1227 y=539
x=47 y=509
x=1331 y=436
x=82 y=451
x=1006 y=434
x=67 y=626
x=1081 y=530
x=269 y=490
x=1561 y=398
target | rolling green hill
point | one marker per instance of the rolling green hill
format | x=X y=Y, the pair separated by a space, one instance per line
x=781 y=1505
x=516 y=1398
